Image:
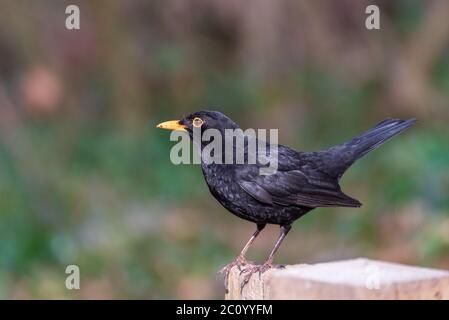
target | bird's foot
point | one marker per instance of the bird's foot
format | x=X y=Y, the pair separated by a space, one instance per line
x=250 y=270
x=238 y=262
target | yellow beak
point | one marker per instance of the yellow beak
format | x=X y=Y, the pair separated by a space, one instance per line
x=172 y=125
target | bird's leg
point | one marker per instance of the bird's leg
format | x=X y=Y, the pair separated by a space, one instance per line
x=268 y=264
x=240 y=260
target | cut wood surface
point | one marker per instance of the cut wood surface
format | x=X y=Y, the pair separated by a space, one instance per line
x=350 y=279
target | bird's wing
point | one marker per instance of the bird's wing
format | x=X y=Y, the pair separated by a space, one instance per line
x=294 y=187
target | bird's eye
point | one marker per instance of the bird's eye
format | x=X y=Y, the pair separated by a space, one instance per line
x=197 y=122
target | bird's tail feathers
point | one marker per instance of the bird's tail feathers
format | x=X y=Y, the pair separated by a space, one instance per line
x=357 y=147
x=378 y=135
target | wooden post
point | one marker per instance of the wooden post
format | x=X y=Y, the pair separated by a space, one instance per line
x=350 y=279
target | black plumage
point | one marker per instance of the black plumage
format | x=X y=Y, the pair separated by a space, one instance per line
x=303 y=180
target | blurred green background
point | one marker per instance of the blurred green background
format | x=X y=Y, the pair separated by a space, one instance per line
x=86 y=179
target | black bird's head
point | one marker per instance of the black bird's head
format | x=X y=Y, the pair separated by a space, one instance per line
x=202 y=120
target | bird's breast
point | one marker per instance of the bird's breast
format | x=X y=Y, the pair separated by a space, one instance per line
x=220 y=180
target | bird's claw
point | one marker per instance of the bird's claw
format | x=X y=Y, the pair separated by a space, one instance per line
x=255 y=269
x=238 y=262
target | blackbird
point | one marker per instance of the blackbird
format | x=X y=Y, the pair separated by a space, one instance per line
x=303 y=180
